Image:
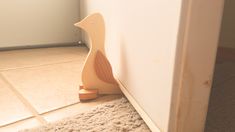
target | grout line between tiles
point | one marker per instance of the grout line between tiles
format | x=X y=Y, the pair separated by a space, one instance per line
x=73 y=104
x=33 y=66
x=59 y=108
x=14 y=122
x=24 y=101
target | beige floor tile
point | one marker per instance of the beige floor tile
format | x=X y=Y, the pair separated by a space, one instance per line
x=25 y=124
x=77 y=108
x=47 y=87
x=34 y=57
x=11 y=109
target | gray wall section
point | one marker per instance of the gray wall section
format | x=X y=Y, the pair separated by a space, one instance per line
x=227 y=34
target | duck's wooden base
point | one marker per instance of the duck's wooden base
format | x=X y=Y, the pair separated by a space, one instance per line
x=87 y=94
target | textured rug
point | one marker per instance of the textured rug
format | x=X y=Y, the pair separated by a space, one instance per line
x=113 y=116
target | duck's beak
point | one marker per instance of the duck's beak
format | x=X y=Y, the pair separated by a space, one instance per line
x=89 y=21
x=78 y=24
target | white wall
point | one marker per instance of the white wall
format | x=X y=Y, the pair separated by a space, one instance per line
x=141 y=39
x=33 y=22
x=227 y=38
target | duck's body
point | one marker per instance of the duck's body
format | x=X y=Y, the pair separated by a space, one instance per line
x=97 y=72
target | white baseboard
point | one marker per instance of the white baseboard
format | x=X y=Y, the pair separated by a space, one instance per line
x=41 y=46
x=137 y=107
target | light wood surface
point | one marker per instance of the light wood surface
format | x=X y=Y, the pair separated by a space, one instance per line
x=195 y=61
x=103 y=82
x=87 y=94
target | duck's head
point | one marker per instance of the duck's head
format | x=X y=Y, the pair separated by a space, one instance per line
x=92 y=22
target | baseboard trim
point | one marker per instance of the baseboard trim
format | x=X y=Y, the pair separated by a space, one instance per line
x=69 y=44
x=142 y=113
x=225 y=53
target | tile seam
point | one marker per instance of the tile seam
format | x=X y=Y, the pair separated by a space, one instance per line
x=24 y=101
x=14 y=122
x=60 y=108
x=34 y=66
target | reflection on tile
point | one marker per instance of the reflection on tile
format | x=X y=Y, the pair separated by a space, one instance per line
x=11 y=109
x=34 y=57
x=25 y=124
x=48 y=87
x=77 y=108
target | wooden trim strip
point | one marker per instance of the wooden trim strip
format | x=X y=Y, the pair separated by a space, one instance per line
x=52 y=45
x=153 y=127
x=24 y=101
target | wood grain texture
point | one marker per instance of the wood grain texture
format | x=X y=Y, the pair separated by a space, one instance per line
x=103 y=68
x=95 y=27
x=88 y=94
x=192 y=85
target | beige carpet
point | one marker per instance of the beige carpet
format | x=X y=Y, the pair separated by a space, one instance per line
x=114 y=116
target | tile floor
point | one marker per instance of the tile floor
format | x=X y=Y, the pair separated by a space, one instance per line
x=38 y=86
x=221 y=112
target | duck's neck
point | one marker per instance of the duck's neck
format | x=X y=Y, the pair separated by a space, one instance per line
x=97 y=40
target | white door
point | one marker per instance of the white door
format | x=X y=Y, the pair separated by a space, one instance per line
x=163 y=54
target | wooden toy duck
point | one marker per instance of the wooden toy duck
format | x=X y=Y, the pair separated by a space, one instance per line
x=97 y=75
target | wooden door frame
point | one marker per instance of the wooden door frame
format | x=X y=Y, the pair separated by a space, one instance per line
x=195 y=58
